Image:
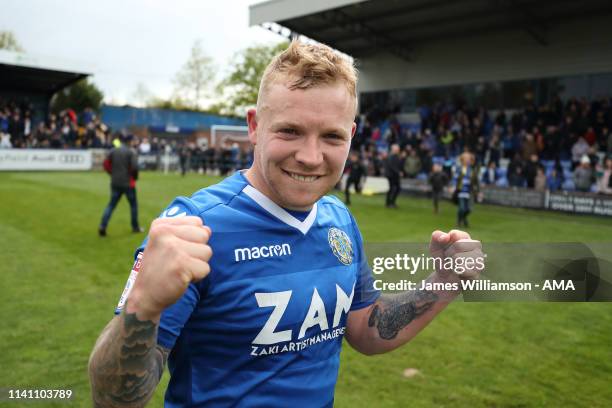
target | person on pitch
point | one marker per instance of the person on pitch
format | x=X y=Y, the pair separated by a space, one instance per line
x=357 y=173
x=466 y=187
x=121 y=164
x=247 y=288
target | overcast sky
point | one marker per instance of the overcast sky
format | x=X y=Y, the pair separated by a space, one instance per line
x=126 y=42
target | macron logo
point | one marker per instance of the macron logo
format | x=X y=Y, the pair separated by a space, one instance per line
x=266 y=251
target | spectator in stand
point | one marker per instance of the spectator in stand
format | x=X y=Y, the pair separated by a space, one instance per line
x=225 y=159
x=593 y=157
x=58 y=130
x=145 y=147
x=393 y=172
x=155 y=146
x=583 y=175
x=99 y=137
x=531 y=170
x=590 y=137
x=489 y=177
x=540 y=179
x=508 y=143
x=15 y=129
x=56 y=141
x=87 y=116
x=495 y=148
x=209 y=160
x=429 y=141
x=579 y=149
x=5 y=140
x=516 y=178
x=5 y=114
x=554 y=180
x=234 y=156
x=412 y=164
x=528 y=147
x=27 y=127
x=68 y=130
x=447 y=141
x=538 y=138
x=604 y=184
x=551 y=144
x=184 y=156
x=376 y=134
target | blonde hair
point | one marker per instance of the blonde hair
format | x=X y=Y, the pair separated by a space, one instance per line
x=303 y=66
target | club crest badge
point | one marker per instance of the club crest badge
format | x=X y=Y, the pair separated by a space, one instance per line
x=341 y=245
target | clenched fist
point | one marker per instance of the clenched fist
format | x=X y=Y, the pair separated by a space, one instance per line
x=462 y=256
x=176 y=254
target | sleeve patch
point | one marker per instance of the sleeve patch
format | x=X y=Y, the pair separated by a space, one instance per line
x=174 y=211
x=130 y=282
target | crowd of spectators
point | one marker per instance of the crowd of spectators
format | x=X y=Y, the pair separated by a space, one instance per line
x=66 y=129
x=192 y=156
x=555 y=146
x=559 y=145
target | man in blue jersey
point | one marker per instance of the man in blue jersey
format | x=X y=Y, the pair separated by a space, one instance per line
x=260 y=322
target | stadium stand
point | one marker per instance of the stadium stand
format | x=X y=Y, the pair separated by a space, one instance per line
x=554 y=137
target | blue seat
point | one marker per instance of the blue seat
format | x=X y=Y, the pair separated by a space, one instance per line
x=502 y=182
x=548 y=164
x=566 y=164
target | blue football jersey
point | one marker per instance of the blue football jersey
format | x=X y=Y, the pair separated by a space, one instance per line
x=265 y=327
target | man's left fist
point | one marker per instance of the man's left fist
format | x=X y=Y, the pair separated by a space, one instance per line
x=460 y=255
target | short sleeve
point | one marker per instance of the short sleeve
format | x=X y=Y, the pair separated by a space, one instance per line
x=365 y=293
x=174 y=318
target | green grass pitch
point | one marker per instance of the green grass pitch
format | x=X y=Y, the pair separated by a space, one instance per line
x=60 y=283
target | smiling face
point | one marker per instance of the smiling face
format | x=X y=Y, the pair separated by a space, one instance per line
x=302 y=139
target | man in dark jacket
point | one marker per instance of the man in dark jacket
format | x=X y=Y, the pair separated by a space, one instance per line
x=122 y=165
x=393 y=172
x=356 y=171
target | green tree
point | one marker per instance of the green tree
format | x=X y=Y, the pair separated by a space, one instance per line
x=9 y=42
x=192 y=83
x=78 y=96
x=174 y=103
x=240 y=87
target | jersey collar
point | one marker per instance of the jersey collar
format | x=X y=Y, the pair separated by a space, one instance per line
x=279 y=212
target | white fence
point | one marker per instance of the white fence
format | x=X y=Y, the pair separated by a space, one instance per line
x=45 y=159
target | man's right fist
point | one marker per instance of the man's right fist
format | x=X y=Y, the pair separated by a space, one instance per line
x=176 y=255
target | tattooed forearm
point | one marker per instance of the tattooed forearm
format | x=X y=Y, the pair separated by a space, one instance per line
x=391 y=314
x=126 y=364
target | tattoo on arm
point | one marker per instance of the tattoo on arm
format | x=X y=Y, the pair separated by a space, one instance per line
x=126 y=364
x=391 y=314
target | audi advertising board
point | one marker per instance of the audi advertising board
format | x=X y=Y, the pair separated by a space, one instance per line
x=45 y=159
